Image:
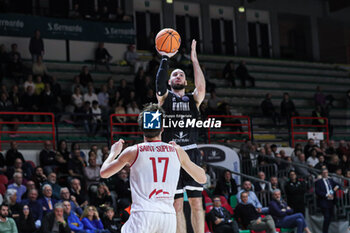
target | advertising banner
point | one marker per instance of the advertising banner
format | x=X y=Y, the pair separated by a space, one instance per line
x=54 y=28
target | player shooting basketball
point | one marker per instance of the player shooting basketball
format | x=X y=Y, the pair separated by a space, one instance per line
x=154 y=174
x=182 y=106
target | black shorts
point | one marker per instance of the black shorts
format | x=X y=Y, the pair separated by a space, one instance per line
x=186 y=182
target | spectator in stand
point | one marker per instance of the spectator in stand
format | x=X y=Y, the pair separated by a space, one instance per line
x=92 y=172
x=312 y=160
x=7 y=224
x=65 y=196
x=47 y=100
x=325 y=189
x=56 y=188
x=229 y=73
x=252 y=198
x=226 y=186
x=76 y=83
x=120 y=109
x=102 y=56
x=29 y=185
x=48 y=158
x=133 y=109
x=274 y=184
x=12 y=154
x=268 y=109
x=283 y=214
x=35 y=206
x=90 y=96
x=27 y=171
x=123 y=88
x=77 y=98
x=343 y=149
x=308 y=147
x=29 y=82
x=36 y=46
x=14 y=52
x=76 y=146
x=251 y=219
x=10 y=200
x=221 y=218
x=39 y=85
x=62 y=156
x=317 y=112
x=139 y=83
x=18 y=186
x=55 y=221
x=110 y=222
x=15 y=68
x=102 y=198
x=4 y=58
x=76 y=165
x=86 y=118
x=110 y=87
x=321 y=163
x=91 y=220
x=261 y=186
x=122 y=185
x=14 y=97
x=85 y=76
x=103 y=98
x=39 y=177
x=334 y=163
x=243 y=74
x=25 y=222
x=73 y=220
x=295 y=189
x=47 y=202
x=97 y=117
x=75 y=12
x=319 y=98
x=302 y=171
x=78 y=192
x=153 y=64
x=39 y=69
x=213 y=103
x=132 y=58
x=29 y=102
x=288 y=109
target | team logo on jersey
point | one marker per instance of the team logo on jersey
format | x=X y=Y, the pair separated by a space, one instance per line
x=152 y=120
x=156 y=192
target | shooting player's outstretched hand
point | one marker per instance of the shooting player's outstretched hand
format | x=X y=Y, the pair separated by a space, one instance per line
x=169 y=55
x=193 y=51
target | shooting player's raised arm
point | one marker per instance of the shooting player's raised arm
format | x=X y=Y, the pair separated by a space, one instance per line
x=161 y=81
x=199 y=80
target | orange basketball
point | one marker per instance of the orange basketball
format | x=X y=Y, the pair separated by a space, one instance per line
x=168 y=40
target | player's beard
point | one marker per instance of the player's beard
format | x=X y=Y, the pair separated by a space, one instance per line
x=177 y=86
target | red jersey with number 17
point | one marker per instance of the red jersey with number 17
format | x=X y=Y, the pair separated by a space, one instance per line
x=153 y=177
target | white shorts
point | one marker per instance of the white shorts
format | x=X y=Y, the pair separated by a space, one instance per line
x=150 y=222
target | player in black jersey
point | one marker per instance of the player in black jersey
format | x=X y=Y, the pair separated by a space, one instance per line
x=181 y=106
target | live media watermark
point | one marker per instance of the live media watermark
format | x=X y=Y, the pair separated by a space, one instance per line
x=152 y=120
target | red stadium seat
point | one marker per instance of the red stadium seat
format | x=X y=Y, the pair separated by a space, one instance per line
x=206 y=228
x=223 y=200
x=3 y=179
x=208 y=201
x=208 y=208
x=204 y=193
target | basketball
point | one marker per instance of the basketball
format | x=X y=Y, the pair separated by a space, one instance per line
x=168 y=40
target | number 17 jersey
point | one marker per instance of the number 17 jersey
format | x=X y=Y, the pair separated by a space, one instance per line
x=153 y=177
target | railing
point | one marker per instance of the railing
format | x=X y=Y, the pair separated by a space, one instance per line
x=15 y=132
x=294 y=132
x=119 y=132
x=232 y=131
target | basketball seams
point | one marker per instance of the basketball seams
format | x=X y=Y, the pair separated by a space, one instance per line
x=164 y=41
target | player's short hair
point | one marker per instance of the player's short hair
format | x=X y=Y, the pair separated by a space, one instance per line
x=150 y=133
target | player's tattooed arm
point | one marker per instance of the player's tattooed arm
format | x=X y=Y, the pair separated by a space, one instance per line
x=196 y=172
x=112 y=165
x=161 y=81
x=199 y=80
